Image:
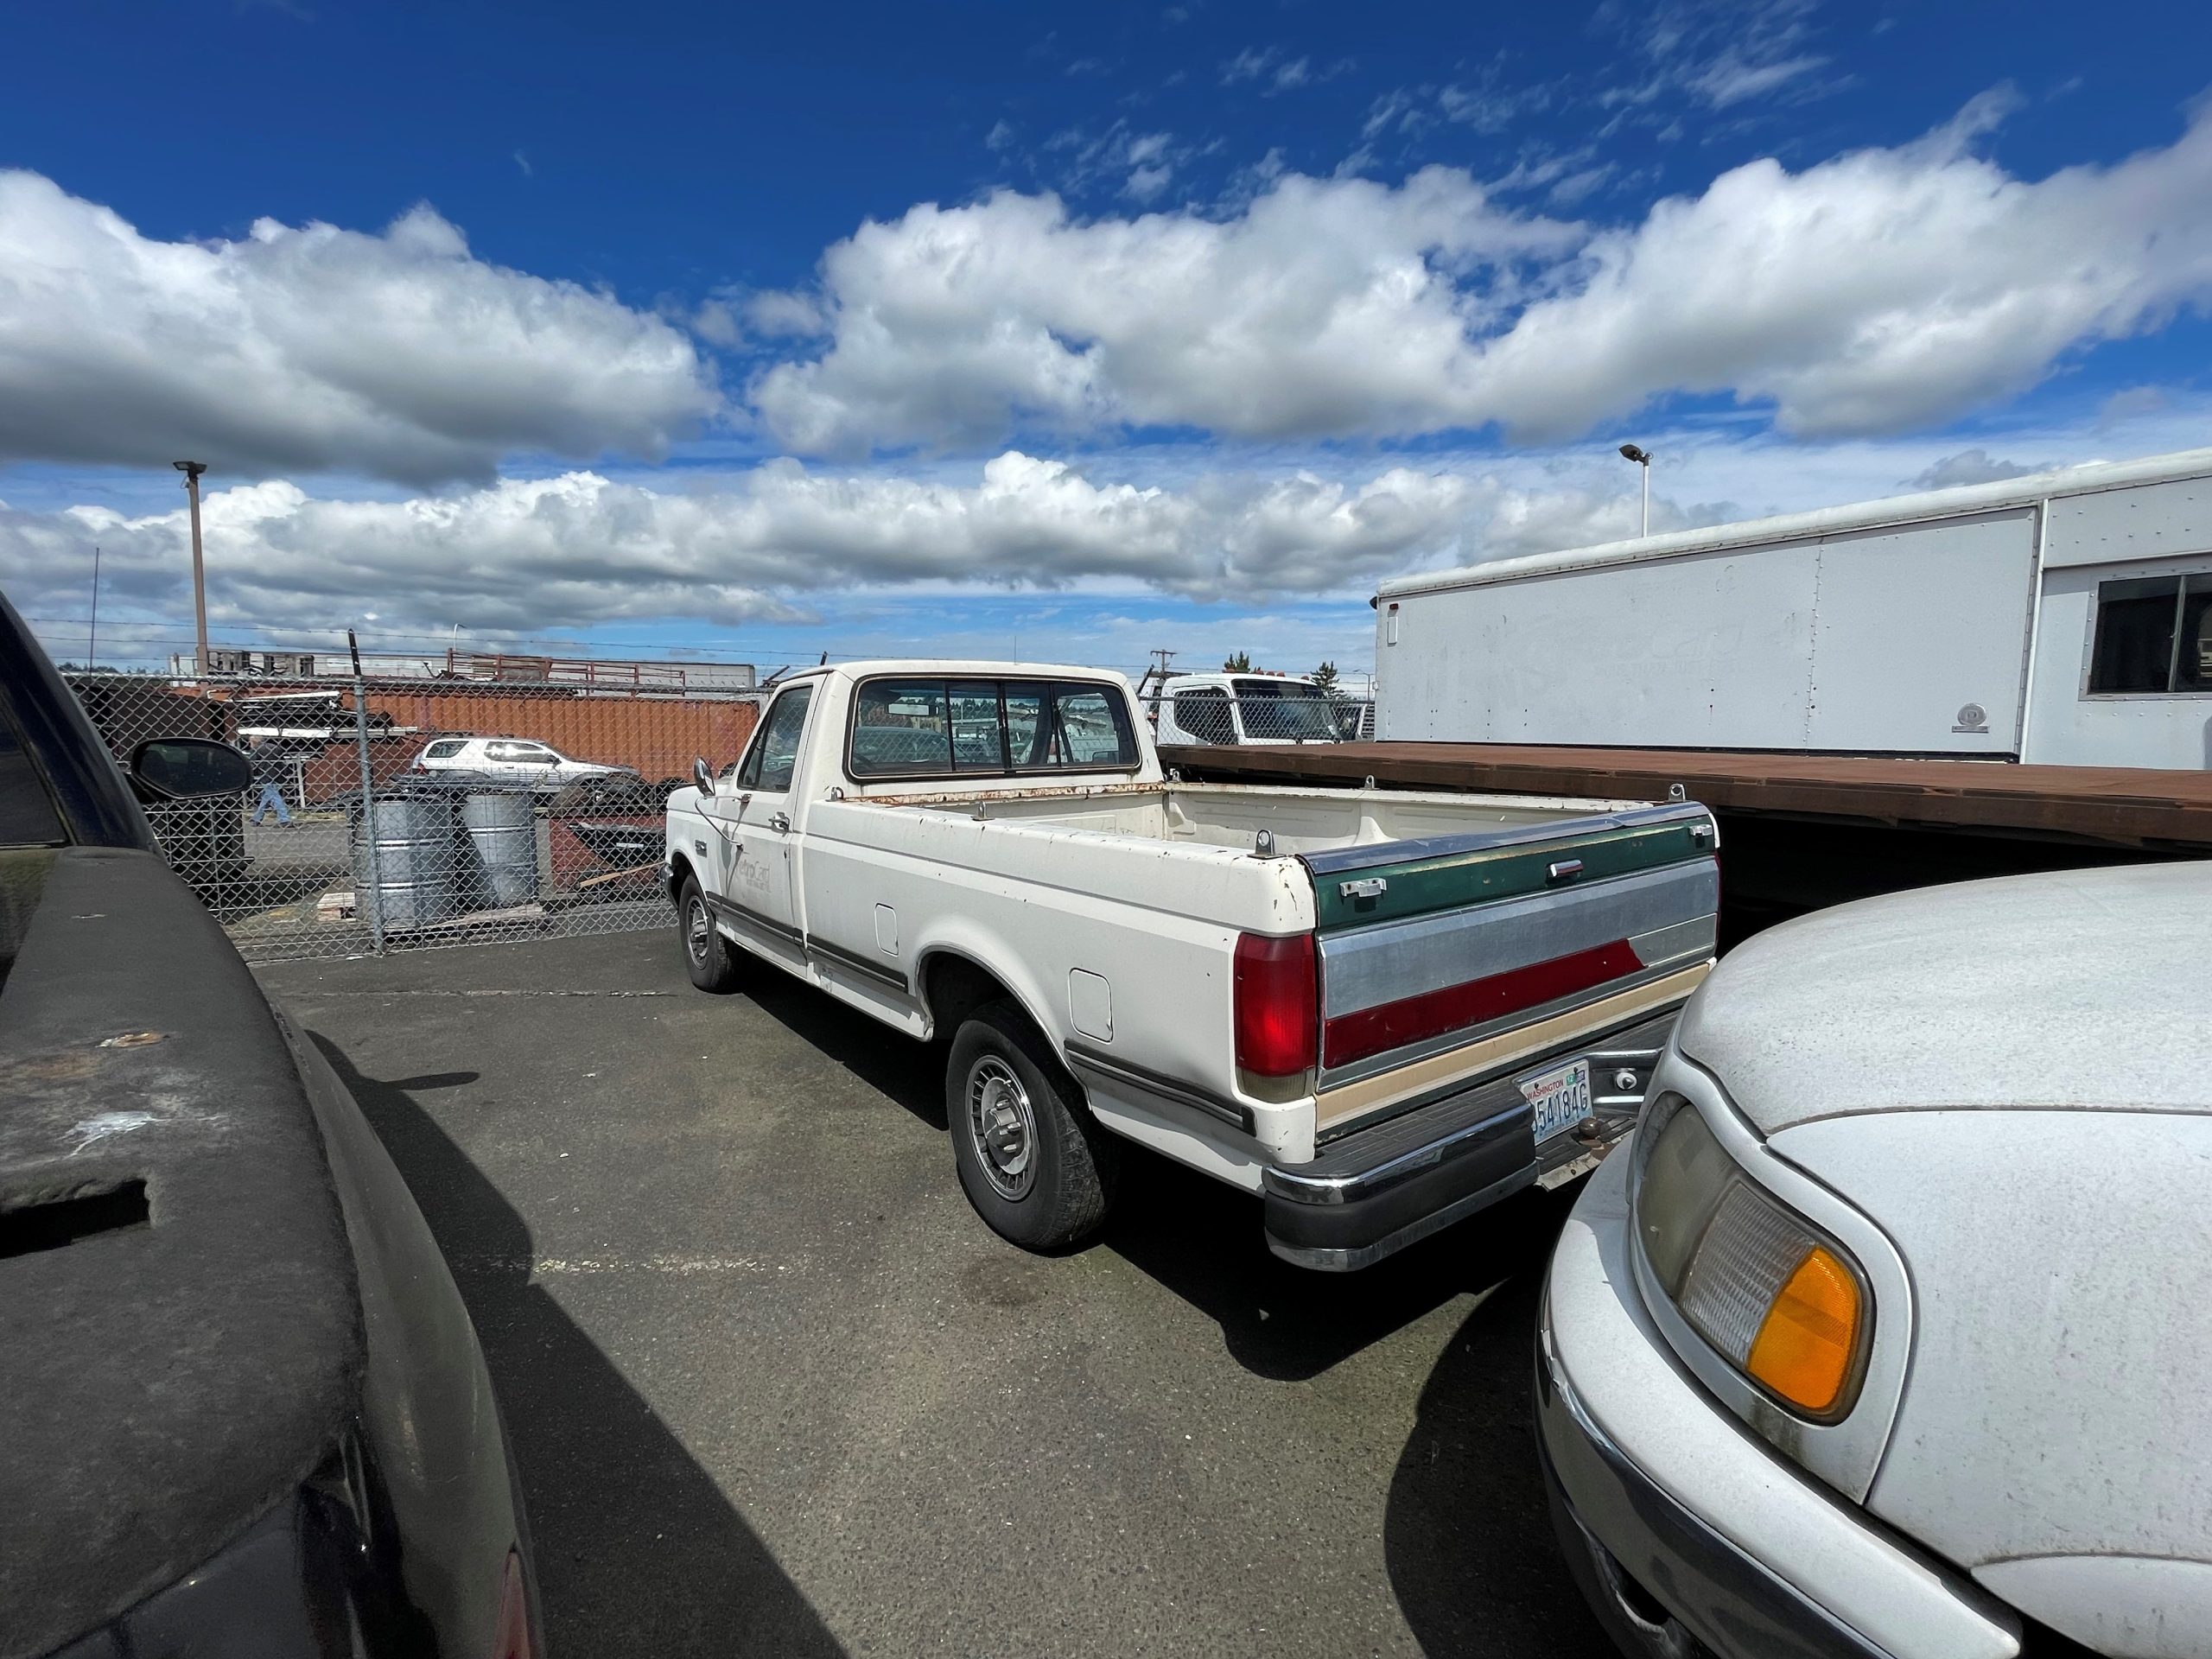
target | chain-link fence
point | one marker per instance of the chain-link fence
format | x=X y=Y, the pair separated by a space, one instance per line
x=395 y=813
x=1208 y=714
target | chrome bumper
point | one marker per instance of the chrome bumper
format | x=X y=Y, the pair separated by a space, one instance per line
x=1376 y=1190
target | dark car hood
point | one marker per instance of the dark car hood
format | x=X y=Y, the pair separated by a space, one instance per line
x=163 y=1384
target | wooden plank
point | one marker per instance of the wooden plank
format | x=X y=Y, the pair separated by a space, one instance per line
x=2128 y=805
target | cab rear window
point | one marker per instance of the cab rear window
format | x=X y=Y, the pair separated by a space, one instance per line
x=922 y=728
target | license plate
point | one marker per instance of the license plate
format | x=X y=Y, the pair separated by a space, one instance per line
x=1560 y=1097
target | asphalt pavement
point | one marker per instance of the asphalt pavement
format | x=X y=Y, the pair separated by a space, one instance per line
x=774 y=1389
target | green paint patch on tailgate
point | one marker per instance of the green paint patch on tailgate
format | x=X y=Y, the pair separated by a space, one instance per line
x=1423 y=886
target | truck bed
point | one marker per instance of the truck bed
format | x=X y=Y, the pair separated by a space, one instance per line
x=1298 y=821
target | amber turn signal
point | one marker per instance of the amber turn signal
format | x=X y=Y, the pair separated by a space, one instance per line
x=1804 y=1349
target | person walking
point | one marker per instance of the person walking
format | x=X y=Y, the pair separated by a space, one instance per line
x=270 y=771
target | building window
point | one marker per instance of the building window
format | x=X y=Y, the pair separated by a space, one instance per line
x=2154 y=634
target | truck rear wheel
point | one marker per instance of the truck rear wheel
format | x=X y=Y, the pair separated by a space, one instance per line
x=1032 y=1159
x=707 y=954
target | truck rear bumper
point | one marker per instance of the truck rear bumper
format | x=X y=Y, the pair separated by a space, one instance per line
x=1373 y=1192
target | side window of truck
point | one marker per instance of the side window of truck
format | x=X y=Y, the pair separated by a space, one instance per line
x=1093 y=729
x=774 y=755
x=1205 y=714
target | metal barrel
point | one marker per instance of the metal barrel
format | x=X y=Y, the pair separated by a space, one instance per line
x=412 y=873
x=502 y=827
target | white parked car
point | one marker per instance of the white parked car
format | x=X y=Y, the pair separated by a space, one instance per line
x=511 y=757
x=1888 y=1333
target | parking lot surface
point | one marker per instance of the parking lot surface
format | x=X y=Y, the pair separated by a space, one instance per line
x=775 y=1389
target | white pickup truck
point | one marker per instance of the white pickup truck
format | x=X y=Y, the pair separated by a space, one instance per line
x=1378 y=1011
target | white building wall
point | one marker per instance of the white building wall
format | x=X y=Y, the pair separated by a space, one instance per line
x=1861 y=640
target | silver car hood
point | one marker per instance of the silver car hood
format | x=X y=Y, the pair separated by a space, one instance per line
x=2087 y=988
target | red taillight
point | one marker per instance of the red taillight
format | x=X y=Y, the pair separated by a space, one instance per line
x=516 y=1639
x=1278 y=1011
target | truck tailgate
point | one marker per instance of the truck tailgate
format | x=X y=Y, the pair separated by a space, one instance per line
x=1428 y=946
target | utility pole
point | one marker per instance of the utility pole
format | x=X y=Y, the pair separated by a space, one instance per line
x=1156 y=670
x=92 y=633
x=1642 y=457
x=191 y=469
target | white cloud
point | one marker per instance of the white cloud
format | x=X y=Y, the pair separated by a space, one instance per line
x=312 y=349
x=580 y=549
x=1884 y=289
x=1720 y=52
x=917 y=563
x=1276 y=71
x=1975 y=466
x=1138 y=165
x=1732 y=78
x=1880 y=291
x=1490 y=105
x=1249 y=64
x=1324 y=305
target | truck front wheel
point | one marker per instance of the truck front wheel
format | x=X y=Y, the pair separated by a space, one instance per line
x=707 y=955
x=1033 y=1161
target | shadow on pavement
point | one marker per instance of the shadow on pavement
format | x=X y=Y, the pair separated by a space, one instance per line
x=1195 y=1237
x=1205 y=1243
x=638 y=1551
x=1466 y=1534
x=909 y=1072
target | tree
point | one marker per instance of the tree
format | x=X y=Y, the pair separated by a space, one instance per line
x=1238 y=663
x=1326 y=677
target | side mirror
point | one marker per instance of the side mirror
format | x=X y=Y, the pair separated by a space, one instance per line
x=188 y=768
x=701 y=779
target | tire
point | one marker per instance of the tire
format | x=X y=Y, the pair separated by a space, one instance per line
x=708 y=956
x=1032 y=1160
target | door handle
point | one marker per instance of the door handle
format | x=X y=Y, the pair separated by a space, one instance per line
x=781 y=823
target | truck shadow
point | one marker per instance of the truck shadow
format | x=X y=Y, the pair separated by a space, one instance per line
x=1204 y=1243
x=905 y=1070
x=1466 y=1536
x=638 y=1552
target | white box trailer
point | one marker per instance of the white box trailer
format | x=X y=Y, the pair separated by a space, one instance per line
x=2064 y=618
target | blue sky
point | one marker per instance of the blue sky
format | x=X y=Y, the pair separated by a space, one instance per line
x=774 y=331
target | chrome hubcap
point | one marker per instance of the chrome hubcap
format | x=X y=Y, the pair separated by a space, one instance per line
x=698 y=930
x=1001 y=1126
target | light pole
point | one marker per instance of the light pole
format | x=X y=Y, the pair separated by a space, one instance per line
x=1642 y=459
x=191 y=469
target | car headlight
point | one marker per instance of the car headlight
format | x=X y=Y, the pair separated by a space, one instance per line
x=1779 y=1300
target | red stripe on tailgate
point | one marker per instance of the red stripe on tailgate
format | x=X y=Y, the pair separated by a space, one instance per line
x=1349 y=1037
